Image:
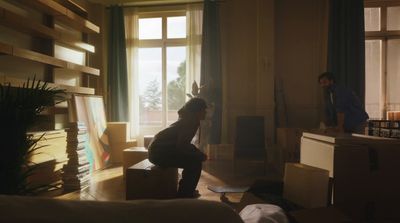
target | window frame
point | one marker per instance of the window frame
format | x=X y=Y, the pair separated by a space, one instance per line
x=162 y=43
x=384 y=35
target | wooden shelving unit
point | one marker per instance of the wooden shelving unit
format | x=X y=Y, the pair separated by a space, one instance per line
x=42 y=37
x=42 y=58
x=25 y=25
x=63 y=14
x=49 y=32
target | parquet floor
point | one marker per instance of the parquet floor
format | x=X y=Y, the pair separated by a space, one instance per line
x=109 y=185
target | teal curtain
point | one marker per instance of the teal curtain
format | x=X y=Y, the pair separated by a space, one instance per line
x=346 y=44
x=117 y=68
x=211 y=76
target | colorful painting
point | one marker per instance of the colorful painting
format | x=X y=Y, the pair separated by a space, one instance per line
x=90 y=110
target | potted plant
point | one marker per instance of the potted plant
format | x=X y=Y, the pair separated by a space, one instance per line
x=19 y=108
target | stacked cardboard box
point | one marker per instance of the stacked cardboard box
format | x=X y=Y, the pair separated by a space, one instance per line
x=306 y=186
x=289 y=140
x=144 y=180
x=286 y=149
x=132 y=156
x=76 y=173
x=317 y=215
x=364 y=170
x=119 y=136
x=219 y=151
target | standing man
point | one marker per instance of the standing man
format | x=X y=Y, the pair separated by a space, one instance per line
x=344 y=110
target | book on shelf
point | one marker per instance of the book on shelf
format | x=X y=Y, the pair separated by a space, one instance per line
x=68 y=175
x=78 y=162
x=77 y=124
x=81 y=154
x=74 y=134
x=73 y=126
x=79 y=139
x=76 y=145
x=82 y=160
x=77 y=156
x=75 y=130
x=75 y=168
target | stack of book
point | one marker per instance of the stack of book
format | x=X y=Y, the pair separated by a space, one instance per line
x=76 y=173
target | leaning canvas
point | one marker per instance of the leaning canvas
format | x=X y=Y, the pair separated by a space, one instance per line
x=89 y=109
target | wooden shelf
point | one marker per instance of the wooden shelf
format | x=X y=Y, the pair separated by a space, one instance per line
x=77 y=7
x=42 y=58
x=54 y=111
x=15 y=21
x=63 y=14
x=38 y=57
x=16 y=82
x=73 y=89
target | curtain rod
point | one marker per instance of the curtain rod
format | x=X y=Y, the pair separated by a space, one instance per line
x=159 y=3
x=154 y=3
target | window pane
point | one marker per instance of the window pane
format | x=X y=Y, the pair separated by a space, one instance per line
x=393 y=75
x=373 y=75
x=176 y=27
x=150 y=28
x=176 y=81
x=150 y=80
x=372 y=19
x=393 y=17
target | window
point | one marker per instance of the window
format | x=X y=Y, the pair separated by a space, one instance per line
x=382 y=53
x=164 y=59
x=161 y=67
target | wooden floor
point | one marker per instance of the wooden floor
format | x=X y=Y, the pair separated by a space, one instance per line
x=108 y=184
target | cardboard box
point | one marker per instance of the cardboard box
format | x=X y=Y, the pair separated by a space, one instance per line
x=275 y=159
x=364 y=170
x=118 y=148
x=366 y=183
x=319 y=215
x=118 y=131
x=219 y=151
x=132 y=156
x=147 y=181
x=289 y=140
x=147 y=139
x=306 y=186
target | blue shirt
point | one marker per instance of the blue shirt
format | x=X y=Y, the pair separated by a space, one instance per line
x=344 y=100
